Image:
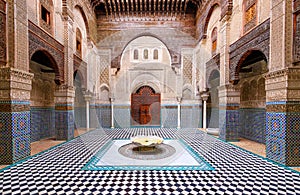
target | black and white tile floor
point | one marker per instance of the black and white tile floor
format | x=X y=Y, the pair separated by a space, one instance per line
x=58 y=170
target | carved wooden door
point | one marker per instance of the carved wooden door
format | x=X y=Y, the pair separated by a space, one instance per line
x=145 y=115
x=145 y=107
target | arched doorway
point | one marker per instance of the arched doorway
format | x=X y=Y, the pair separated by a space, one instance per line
x=42 y=105
x=252 y=69
x=145 y=107
x=79 y=102
x=213 y=100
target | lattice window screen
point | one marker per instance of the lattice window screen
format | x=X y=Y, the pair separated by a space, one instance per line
x=104 y=69
x=188 y=68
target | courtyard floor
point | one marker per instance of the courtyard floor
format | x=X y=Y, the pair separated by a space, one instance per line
x=59 y=170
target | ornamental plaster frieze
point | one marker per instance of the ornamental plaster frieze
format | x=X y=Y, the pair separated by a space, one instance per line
x=253 y=104
x=276 y=74
x=293 y=95
x=285 y=78
x=64 y=100
x=14 y=94
x=15 y=84
x=15 y=75
x=64 y=94
x=229 y=94
x=276 y=95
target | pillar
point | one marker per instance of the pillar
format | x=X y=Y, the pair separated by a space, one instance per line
x=229 y=112
x=112 y=113
x=14 y=115
x=178 y=113
x=15 y=82
x=204 y=98
x=87 y=97
x=65 y=93
x=229 y=95
x=64 y=112
x=283 y=87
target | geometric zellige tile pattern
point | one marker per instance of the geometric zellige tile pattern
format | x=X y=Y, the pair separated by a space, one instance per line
x=59 y=170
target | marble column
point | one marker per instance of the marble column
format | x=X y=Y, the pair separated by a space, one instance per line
x=178 y=112
x=112 y=113
x=204 y=98
x=87 y=97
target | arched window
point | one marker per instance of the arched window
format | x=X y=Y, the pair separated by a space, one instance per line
x=250 y=14
x=78 y=42
x=155 y=54
x=146 y=54
x=214 y=41
x=135 y=54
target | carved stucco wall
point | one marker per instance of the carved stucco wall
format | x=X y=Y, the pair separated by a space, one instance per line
x=172 y=38
x=296 y=32
x=132 y=74
x=39 y=40
x=257 y=39
x=43 y=87
x=2 y=33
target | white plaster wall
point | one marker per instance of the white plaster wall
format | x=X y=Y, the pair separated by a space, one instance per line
x=154 y=73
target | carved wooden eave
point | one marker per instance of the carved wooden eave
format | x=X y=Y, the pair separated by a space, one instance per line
x=145 y=8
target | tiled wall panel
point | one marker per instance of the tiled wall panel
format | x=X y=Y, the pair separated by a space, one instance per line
x=253 y=124
x=169 y=115
x=191 y=116
x=42 y=122
x=14 y=131
x=229 y=124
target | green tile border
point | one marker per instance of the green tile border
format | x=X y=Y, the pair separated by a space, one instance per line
x=91 y=164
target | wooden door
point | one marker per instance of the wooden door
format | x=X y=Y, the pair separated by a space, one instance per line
x=145 y=107
x=145 y=115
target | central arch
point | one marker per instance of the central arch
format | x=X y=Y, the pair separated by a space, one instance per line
x=145 y=107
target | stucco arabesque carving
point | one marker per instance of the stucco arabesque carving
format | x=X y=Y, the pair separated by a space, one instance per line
x=283 y=85
x=11 y=74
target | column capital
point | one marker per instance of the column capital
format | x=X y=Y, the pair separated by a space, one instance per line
x=112 y=99
x=88 y=95
x=204 y=96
